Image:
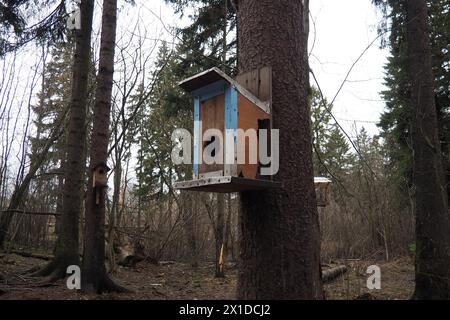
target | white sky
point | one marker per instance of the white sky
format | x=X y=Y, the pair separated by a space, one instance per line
x=342 y=31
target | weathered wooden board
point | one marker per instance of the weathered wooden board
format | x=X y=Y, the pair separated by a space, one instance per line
x=322 y=186
x=258 y=82
x=212 y=116
x=227 y=184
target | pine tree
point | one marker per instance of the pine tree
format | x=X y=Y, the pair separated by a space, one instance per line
x=395 y=121
x=19 y=26
x=67 y=247
x=53 y=101
x=95 y=278
x=431 y=203
x=280 y=239
x=332 y=156
x=202 y=41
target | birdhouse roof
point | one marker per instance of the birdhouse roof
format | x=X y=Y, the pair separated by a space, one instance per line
x=102 y=165
x=213 y=75
x=321 y=180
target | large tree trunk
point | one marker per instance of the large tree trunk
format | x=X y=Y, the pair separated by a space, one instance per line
x=432 y=218
x=67 y=246
x=94 y=276
x=279 y=229
x=60 y=195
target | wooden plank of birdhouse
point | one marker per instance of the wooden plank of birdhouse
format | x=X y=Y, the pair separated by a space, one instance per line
x=249 y=114
x=202 y=79
x=197 y=135
x=226 y=184
x=197 y=83
x=212 y=114
x=210 y=91
x=265 y=84
x=231 y=125
x=258 y=82
x=211 y=174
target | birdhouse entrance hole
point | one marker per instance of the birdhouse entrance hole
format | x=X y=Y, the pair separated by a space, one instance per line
x=223 y=105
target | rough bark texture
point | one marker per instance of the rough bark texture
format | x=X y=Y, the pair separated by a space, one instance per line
x=94 y=277
x=67 y=246
x=432 y=218
x=114 y=214
x=279 y=229
x=228 y=239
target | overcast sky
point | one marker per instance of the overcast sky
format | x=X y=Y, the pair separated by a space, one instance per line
x=341 y=32
x=344 y=29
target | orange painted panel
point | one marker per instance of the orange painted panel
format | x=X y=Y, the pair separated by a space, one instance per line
x=248 y=116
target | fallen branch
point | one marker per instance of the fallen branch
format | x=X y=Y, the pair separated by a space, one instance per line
x=32 y=255
x=333 y=273
x=31 y=212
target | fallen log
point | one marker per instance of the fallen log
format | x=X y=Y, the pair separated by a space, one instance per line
x=31 y=255
x=333 y=273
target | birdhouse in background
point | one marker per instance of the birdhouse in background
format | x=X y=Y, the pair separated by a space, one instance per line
x=222 y=106
x=322 y=186
x=100 y=175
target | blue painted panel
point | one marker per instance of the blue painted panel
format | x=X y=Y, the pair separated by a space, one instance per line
x=197 y=134
x=231 y=124
x=210 y=91
x=231 y=108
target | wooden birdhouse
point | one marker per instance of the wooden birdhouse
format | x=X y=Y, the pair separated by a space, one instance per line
x=100 y=175
x=228 y=119
x=225 y=111
x=322 y=186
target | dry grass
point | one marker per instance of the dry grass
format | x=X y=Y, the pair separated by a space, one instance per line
x=397 y=281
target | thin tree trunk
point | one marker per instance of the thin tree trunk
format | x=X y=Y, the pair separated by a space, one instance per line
x=60 y=196
x=432 y=217
x=95 y=278
x=189 y=227
x=279 y=229
x=21 y=190
x=219 y=232
x=227 y=233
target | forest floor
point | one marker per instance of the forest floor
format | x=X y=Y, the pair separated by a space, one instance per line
x=180 y=281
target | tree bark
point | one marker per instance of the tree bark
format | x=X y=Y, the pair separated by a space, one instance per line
x=228 y=240
x=94 y=277
x=114 y=213
x=431 y=207
x=189 y=217
x=21 y=189
x=219 y=233
x=279 y=229
x=67 y=246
